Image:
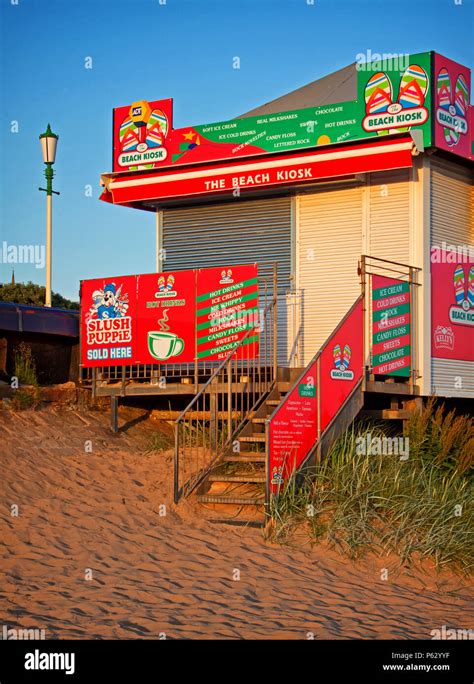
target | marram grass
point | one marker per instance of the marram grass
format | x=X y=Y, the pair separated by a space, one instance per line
x=419 y=506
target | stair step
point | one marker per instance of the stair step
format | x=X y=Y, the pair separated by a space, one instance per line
x=259 y=421
x=256 y=437
x=245 y=457
x=239 y=500
x=273 y=402
x=240 y=477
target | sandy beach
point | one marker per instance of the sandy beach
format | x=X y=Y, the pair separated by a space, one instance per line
x=98 y=550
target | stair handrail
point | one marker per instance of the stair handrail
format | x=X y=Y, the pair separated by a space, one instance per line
x=225 y=362
x=214 y=375
x=315 y=357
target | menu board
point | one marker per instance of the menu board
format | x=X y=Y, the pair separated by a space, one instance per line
x=390 y=326
x=227 y=307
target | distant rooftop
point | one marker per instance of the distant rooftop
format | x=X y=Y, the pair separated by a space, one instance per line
x=340 y=86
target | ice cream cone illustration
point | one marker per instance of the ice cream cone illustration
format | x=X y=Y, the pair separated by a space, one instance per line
x=459 y=285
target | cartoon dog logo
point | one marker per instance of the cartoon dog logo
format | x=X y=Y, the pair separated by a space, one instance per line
x=108 y=302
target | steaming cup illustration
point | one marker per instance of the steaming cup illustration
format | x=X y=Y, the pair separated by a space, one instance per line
x=162 y=345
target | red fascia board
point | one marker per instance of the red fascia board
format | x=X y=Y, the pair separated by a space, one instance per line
x=270 y=171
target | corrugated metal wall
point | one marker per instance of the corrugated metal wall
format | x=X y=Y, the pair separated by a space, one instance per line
x=452 y=222
x=238 y=232
x=329 y=245
x=389 y=215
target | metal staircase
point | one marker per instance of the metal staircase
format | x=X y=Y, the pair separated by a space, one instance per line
x=249 y=428
x=239 y=479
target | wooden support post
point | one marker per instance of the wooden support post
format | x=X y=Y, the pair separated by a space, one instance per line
x=415 y=404
x=114 y=414
x=3 y=355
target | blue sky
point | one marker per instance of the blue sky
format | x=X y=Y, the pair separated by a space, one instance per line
x=144 y=49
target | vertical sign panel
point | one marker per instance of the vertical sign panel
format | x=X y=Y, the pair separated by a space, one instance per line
x=293 y=430
x=227 y=306
x=166 y=314
x=108 y=321
x=390 y=326
x=452 y=106
x=341 y=364
x=452 y=306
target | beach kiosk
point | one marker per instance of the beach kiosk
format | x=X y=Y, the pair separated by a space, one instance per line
x=350 y=202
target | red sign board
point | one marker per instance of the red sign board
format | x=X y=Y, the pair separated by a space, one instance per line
x=294 y=426
x=390 y=326
x=341 y=364
x=293 y=430
x=307 y=167
x=166 y=310
x=140 y=133
x=227 y=306
x=172 y=317
x=452 y=106
x=108 y=321
x=452 y=306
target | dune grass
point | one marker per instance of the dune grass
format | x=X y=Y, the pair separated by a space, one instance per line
x=24 y=365
x=418 y=506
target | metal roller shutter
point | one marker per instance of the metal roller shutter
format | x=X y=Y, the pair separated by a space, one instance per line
x=452 y=211
x=239 y=232
x=452 y=223
x=389 y=216
x=329 y=245
x=445 y=374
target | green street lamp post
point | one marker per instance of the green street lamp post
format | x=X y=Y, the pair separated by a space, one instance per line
x=49 y=142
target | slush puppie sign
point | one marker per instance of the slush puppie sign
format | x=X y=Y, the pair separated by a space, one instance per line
x=173 y=317
x=429 y=93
